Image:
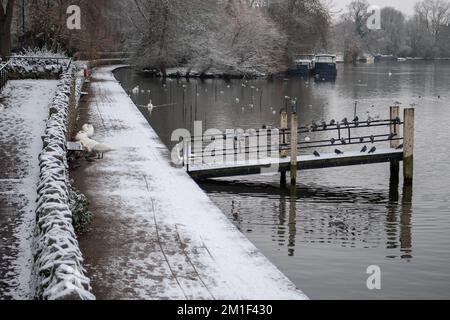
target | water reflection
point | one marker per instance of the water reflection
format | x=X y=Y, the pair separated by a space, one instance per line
x=354 y=218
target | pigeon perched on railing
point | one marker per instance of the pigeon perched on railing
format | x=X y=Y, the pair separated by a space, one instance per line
x=338 y=152
x=373 y=150
x=317 y=154
x=364 y=149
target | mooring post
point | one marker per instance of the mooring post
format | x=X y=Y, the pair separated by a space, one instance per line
x=394 y=143
x=294 y=142
x=283 y=151
x=408 y=146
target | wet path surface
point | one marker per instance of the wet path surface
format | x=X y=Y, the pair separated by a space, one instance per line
x=25 y=108
x=155 y=233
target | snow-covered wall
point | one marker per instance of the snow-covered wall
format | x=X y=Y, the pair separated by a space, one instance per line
x=58 y=265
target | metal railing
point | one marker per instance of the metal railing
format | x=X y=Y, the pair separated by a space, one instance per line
x=3 y=75
x=240 y=144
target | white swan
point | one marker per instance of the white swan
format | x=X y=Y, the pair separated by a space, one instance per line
x=100 y=149
x=135 y=90
x=150 y=107
x=88 y=129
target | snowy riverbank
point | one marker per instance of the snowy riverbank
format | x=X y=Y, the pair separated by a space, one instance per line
x=155 y=233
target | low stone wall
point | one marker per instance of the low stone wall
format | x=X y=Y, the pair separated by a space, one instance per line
x=58 y=267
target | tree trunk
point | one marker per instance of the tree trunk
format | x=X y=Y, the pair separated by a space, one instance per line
x=5 y=28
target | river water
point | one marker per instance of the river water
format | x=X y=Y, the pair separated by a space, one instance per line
x=403 y=230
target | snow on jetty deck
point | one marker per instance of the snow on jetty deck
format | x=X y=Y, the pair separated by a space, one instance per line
x=22 y=116
x=156 y=234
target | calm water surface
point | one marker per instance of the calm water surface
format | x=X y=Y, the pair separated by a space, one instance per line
x=405 y=231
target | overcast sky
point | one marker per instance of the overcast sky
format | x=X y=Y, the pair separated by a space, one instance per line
x=407 y=6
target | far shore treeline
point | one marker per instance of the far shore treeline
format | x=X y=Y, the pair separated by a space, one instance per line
x=228 y=36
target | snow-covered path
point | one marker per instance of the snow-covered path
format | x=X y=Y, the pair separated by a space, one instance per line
x=22 y=116
x=156 y=234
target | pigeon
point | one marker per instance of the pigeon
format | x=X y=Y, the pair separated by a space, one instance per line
x=332 y=122
x=345 y=121
x=314 y=126
x=324 y=125
x=373 y=150
x=317 y=154
x=343 y=141
x=361 y=139
x=364 y=149
x=356 y=119
x=333 y=140
x=372 y=139
x=399 y=147
x=391 y=136
x=338 y=152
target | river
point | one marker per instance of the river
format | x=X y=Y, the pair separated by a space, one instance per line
x=403 y=230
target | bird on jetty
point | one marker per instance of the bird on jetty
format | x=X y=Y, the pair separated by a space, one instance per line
x=237 y=100
x=372 y=139
x=364 y=149
x=332 y=122
x=390 y=74
x=345 y=121
x=399 y=147
x=314 y=126
x=307 y=139
x=373 y=150
x=135 y=90
x=333 y=140
x=391 y=136
x=324 y=125
x=316 y=154
x=361 y=139
x=338 y=152
x=343 y=141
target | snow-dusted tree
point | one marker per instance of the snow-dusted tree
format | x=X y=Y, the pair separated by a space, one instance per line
x=431 y=17
x=305 y=22
x=6 y=16
x=230 y=35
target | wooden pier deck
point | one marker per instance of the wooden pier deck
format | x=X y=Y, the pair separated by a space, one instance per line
x=305 y=162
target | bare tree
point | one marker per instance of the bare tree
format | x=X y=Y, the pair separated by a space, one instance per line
x=6 y=16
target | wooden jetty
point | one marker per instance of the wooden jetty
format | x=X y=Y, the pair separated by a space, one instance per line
x=226 y=161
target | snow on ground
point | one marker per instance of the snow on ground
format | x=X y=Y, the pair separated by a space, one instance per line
x=25 y=108
x=156 y=234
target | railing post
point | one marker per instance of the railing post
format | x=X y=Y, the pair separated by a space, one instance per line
x=294 y=142
x=283 y=152
x=394 y=143
x=408 y=146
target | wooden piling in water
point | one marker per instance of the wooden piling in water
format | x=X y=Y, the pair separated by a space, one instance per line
x=394 y=143
x=283 y=153
x=408 y=146
x=294 y=142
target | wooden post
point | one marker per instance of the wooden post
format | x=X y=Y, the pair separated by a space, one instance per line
x=408 y=146
x=395 y=129
x=294 y=142
x=283 y=153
